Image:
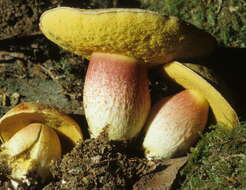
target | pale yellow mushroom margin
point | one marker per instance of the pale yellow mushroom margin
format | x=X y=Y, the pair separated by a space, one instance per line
x=222 y=110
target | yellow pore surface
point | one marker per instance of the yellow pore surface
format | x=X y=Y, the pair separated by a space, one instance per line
x=144 y=35
x=222 y=110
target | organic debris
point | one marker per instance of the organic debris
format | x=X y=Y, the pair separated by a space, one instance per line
x=4 y=172
x=100 y=164
x=162 y=180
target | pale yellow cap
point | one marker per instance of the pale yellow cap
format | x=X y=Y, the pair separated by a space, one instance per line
x=141 y=34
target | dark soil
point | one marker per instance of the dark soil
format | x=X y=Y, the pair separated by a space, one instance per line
x=4 y=171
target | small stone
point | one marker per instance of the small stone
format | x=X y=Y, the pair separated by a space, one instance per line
x=15 y=98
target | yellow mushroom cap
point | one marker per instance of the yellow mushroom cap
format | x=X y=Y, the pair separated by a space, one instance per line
x=141 y=34
x=30 y=112
x=223 y=113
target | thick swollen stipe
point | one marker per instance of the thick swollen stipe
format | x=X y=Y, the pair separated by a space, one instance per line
x=116 y=96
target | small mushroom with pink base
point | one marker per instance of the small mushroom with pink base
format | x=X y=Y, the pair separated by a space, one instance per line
x=174 y=124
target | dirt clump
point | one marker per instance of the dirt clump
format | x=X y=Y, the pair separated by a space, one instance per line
x=99 y=164
x=92 y=164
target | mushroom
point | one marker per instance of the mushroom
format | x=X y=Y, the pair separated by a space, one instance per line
x=174 y=124
x=121 y=44
x=34 y=135
x=222 y=111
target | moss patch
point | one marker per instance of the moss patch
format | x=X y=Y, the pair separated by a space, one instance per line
x=226 y=20
x=218 y=161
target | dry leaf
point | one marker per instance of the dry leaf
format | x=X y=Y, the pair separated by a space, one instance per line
x=163 y=179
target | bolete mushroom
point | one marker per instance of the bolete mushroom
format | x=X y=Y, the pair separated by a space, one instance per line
x=121 y=44
x=174 y=124
x=33 y=135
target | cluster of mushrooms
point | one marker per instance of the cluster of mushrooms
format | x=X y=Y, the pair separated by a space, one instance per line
x=121 y=44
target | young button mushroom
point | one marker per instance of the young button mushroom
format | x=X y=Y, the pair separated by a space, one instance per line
x=31 y=149
x=33 y=135
x=120 y=44
x=174 y=124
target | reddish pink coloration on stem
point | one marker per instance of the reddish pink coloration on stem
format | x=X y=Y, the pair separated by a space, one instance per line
x=174 y=124
x=116 y=95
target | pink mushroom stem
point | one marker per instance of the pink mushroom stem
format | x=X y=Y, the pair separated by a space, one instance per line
x=116 y=96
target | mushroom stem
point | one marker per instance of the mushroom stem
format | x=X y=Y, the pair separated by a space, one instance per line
x=174 y=124
x=116 y=95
